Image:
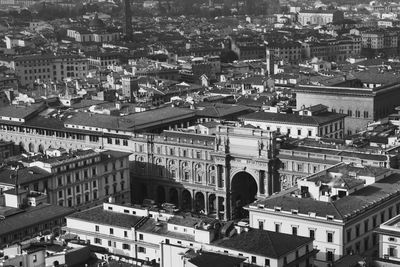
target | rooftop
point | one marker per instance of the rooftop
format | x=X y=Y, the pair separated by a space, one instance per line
x=20 y=112
x=320 y=119
x=136 y=121
x=32 y=216
x=161 y=228
x=263 y=243
x=25 y=175
x=341 y=209
x=105 y=217
x=207 y=259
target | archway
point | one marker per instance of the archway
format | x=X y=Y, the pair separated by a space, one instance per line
x=21 y=146
x=186 y=200
x=212 y=203
x=199 y=202
x=31 y=147
x=243 y=191
x=173 y=196
x=160 y=194
x=41 y=148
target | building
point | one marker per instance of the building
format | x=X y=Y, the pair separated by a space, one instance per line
x=130 y=87
x=77 y=179
x=291 y=52
x=23 y=256
x=320 y=17
x=19 y=221
x=314 y=121
x=7 y=149
x=139 y=234
x=362 y=105
x=339 y=207
x=34 y=132
x=302 y=158
x=195 y=173
x=380 y=39
x=337 y=49
x=82 y=35
x=389 y=242
x=49 y=68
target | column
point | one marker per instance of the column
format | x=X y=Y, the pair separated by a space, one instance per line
x=206 y=209
x=261 y=183
x=227 y=193
x=217 y=205
x=227 y=214
x=193 y=200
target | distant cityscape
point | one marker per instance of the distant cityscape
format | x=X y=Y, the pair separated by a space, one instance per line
x=199 y=133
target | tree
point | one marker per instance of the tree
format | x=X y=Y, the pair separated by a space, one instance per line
x=228 y=56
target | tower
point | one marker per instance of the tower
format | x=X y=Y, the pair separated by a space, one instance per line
x=127 y=19
x=269 y=62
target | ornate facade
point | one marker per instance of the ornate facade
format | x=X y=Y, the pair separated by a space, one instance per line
x=206 y=174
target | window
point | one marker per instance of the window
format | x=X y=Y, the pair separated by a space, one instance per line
x=374 y=222
x=125 y=142
x=125 y=233
x=97 y=240
x=267 y=263
x=97 y=228
x=382 y=216
x=357 y=230
x=366 y=225
x=109 y=140
x=277 y=227
x=60 y=194
x=349 y=112
x=126 y=246
x=34 y=258
x=390 y=212
x=298 y=131
x=111 y=231
x=329 y=237
x=329 y=256
x=142 y=249
x=140 y=236
x=309 y=132
x=253 y=259
x=294 y=230
x=260 y=224
x=392 y=251
x=312 y=233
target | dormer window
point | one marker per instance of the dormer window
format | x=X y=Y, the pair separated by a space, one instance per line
x=278 y=209
x=295 y=212
x=329 y=217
